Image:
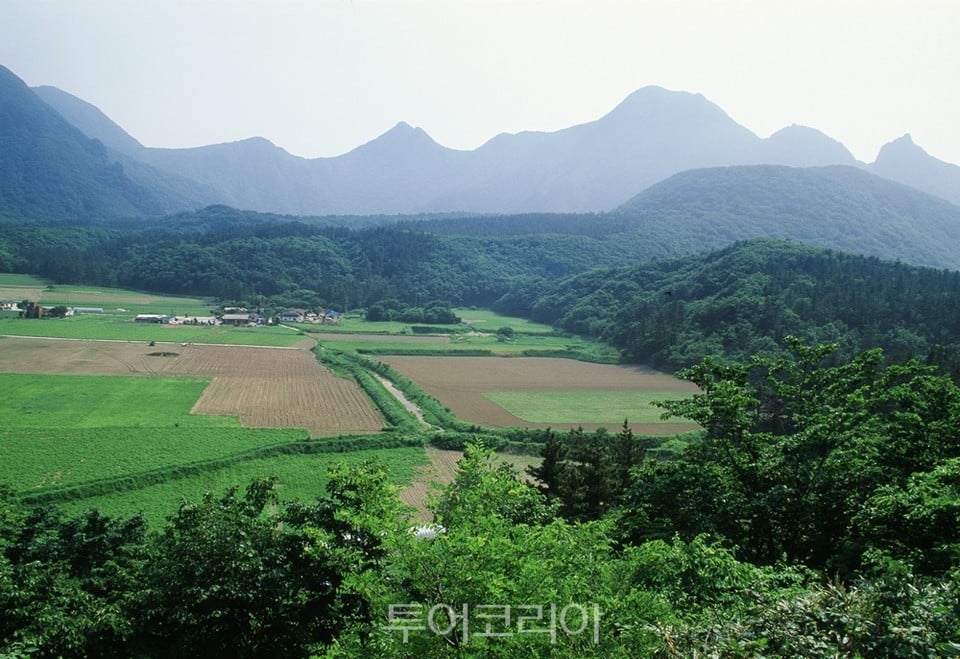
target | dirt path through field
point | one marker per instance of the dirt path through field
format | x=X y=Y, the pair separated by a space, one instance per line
x=396 y=393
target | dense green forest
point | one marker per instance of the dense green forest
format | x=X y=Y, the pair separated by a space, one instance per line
x=817 y=516
x=748 y=298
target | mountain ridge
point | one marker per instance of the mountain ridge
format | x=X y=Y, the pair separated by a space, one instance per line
x=594 y=166
x=51 y=170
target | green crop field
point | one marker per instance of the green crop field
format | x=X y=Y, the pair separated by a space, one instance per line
x=484 y=320
x=301 y=477
x=64 y=430
x=464 y=341
x=9 y=279
x=120 y=327
x=27 y=287
x=34 y=460
x=603 y=407
x=474 y=320
x=88 y=401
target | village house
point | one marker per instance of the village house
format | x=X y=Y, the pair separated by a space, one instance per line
x=293 y=316
x=241 y=319
x=162 y=319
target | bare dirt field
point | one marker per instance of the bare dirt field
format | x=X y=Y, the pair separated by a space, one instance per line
x=20 y=292
x=460 y=382
x=264 y=387
x=84 y=357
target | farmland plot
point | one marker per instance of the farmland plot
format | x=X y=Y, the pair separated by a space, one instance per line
x=264 y=387
x=442 y=469
x=276 y=388
x=80 y=357
x=461 y=383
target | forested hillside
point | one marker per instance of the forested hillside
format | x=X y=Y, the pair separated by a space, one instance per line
x=747 y=298
x=239 y=256
x=50 y=171
x=669 y=313
x=841 y=208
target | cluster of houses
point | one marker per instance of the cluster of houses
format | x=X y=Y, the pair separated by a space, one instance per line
x=240 y=317
x=28 y=309
x=167 y=319
x=304 y=316
x=236 y=316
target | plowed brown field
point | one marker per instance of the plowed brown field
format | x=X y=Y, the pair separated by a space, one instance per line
x=264 y=387
x=83 y=357
x=460 y=382
x=277 y=388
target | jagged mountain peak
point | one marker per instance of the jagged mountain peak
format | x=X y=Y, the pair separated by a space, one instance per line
x=902 y=146
x=653 y=133
x=904 y=161
x=403 y=132
x=401 y=141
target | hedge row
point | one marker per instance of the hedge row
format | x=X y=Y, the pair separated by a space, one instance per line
x=392 y=409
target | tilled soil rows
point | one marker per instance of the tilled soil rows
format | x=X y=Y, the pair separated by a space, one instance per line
x=277 y=388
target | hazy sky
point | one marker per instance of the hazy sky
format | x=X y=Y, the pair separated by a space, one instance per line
x=320 y=77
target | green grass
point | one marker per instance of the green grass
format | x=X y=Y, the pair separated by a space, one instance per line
x=529 y=338
x=480 y=320
x=38 y=459
x=110 y=299
x=301 y=477
x=602 y=407
x=484 y=320
x=26 y=281
x=88 y=401
x=120 y=327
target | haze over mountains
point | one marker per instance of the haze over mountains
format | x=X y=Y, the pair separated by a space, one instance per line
x=653 y=134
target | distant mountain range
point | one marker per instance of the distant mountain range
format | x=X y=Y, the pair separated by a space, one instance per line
x=653 y=134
